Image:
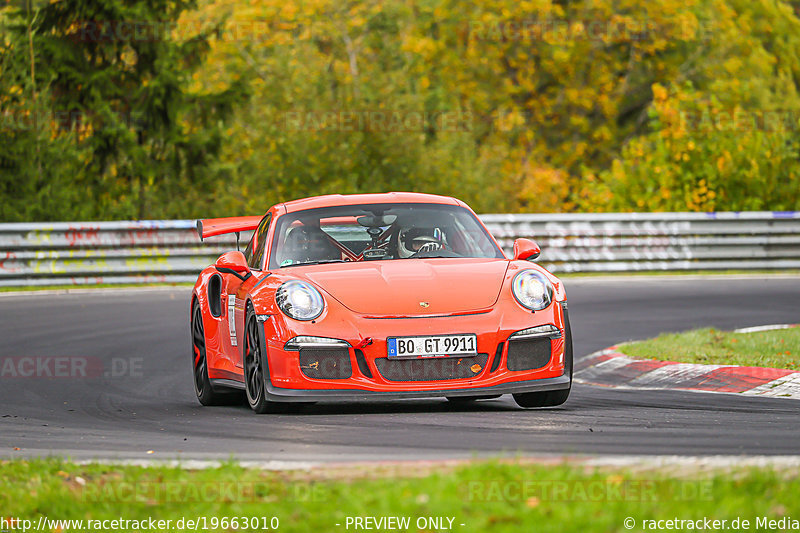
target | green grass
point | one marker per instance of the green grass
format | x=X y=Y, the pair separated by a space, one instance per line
x=775 y=349
x=483 y=495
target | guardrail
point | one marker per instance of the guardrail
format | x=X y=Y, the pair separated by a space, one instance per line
x=153 y=251
x=623 y=242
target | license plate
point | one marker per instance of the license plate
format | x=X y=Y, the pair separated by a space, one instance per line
x=432 y=346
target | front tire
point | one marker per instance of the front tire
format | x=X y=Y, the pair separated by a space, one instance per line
x=206 y=394
x=256 y=374
x=555 y=397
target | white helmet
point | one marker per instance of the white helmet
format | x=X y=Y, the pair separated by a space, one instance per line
x=414 y=240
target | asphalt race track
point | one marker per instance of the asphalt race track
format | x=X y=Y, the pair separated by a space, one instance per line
x=139 y=396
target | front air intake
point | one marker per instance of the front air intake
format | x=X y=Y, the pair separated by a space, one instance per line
x=528 y=354
x=325 y=363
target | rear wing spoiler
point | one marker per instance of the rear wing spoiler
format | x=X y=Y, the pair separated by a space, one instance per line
x=210 y=227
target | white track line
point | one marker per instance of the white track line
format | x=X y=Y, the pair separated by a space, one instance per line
x=756 y=329
x=666 y=376
x=787 y=387
x=615 y=461
x=609 y=366
x=201 y=464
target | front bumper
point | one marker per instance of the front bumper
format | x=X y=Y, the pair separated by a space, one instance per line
x=288 y=382
x=277 y=394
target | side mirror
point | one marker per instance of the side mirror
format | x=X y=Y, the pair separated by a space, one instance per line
x=526 y=249
x=233 y=263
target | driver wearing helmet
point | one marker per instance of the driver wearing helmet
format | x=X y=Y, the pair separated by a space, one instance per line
x=413 y=240
x=307 y=244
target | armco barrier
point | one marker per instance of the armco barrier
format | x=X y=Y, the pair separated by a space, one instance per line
x=620 y=242
x=82 y=253
x=87 y=253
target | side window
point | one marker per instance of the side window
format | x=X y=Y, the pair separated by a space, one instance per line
x=258 y=242
x=248 y=251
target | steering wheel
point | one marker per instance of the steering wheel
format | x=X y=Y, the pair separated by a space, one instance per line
x=422 y=239
x=426 y=243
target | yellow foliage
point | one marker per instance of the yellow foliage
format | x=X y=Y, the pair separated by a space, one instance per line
x=600 y=105
x=659 y=92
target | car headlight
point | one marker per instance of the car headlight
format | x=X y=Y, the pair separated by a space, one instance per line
x=299 y=300
x=532 y=289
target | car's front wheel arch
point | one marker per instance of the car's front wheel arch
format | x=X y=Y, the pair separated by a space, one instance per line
x=255 y=363
x=557 y=397
x=204 y=390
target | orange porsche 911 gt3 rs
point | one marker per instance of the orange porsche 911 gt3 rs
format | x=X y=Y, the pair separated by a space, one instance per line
x=375 y=296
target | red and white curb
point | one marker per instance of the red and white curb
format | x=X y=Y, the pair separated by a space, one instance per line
x=610 y=368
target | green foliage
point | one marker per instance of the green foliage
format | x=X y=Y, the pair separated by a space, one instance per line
x=224 y=107
x=100 y=122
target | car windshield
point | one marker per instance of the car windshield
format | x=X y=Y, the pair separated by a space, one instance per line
x=379 y=232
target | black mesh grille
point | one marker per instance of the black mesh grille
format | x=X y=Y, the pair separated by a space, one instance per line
x=528 y=354
x=326 y=363
x=431 y=369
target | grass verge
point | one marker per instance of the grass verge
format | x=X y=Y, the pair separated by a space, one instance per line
x=481 y=495
x=778 y=348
